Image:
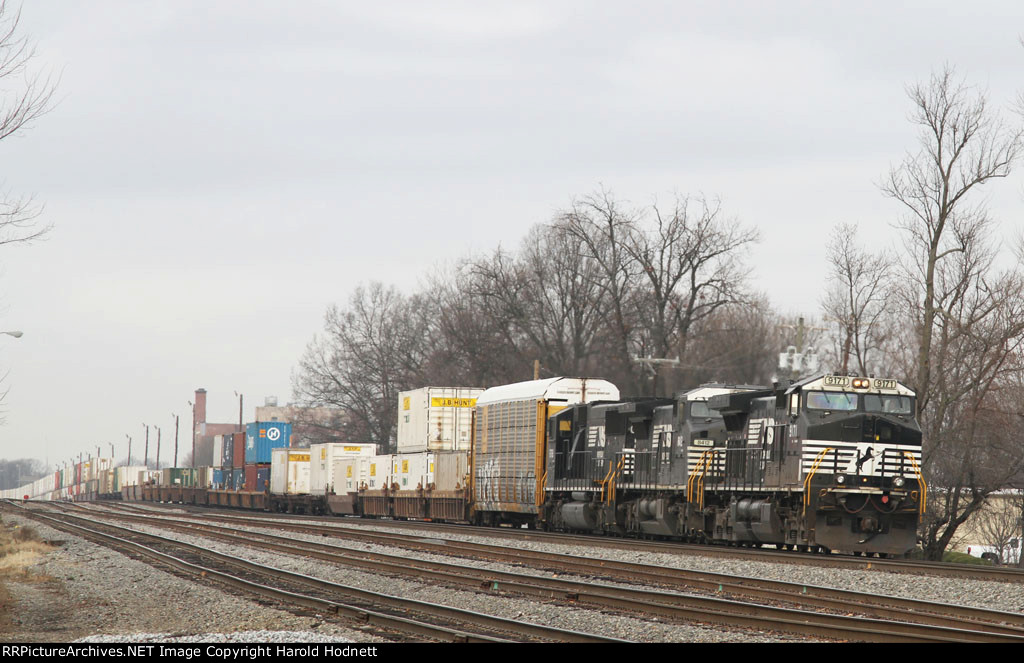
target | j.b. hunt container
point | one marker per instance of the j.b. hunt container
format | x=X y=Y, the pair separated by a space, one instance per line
x=436 y=418
x=324 y=459
x=442 y=470
x=289 y=471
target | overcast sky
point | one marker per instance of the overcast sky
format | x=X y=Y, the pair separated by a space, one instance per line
x=219 y=172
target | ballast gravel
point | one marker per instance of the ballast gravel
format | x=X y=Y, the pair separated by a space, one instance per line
x=93 y=591
x=147 y=582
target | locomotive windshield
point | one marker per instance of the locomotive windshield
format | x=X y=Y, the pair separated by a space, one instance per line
x=835 y=400
x=889 y=404
x=701 y=409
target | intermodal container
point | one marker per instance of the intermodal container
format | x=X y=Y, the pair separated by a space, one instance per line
x=262 y=436
x=254 y=475
x=237 y=459
x=323 y=458
x=289 y=471
x=436 y=418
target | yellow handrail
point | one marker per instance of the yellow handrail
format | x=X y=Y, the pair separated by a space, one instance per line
x=920 y=480
x=693 y=476
x=807 y=480
x=604 y=482
x=697 y=477
x=612 y=492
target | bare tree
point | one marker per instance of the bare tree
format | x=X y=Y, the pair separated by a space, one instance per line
x=858 y=301
x=1002 y=523
x=24 y=98
x=735 y=344
x=964 y=144
x=603 y=226
x=968 y=316
x=367 y=354
x=690 y=268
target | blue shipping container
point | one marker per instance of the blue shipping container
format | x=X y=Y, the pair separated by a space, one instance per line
x=238 y=479
x=227 y=456
x=262 y=479
x=261 y=437
x=217 y=483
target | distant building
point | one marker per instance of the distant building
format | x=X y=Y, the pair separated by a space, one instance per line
x=204 y=432
x=310 y=425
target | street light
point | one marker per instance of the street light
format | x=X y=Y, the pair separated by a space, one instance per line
x=15 y=334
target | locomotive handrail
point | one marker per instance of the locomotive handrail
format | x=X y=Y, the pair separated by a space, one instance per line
x=693 y=476
x=697 y=477
x=612 y=492
x=604 y=482
x=920 y=480
x=807 y=480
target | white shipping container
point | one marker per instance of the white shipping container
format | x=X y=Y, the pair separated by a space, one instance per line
x=451 y=470
x=204 y=477
x=379 y=474
x=218 y=449
x=412 y=471
x=351 y=473
x=97 y=465
x=129 y=475
x=322 y=463
x=436 y=418
x=149 y=477
x=289 y=471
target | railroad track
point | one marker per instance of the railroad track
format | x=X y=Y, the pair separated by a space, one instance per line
x=886 y=619
x=849 y=562
x=414 y=619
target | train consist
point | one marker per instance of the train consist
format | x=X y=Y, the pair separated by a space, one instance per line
x=828 y=463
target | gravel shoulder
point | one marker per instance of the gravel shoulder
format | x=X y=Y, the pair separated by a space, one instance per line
x=79 y=589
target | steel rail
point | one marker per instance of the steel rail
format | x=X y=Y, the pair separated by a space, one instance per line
x=851 y=562
x=482 y=620
x=912 y=614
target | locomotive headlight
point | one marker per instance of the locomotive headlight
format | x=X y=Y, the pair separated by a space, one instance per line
x=840 y=479
x=861 y=383
x=898 y=482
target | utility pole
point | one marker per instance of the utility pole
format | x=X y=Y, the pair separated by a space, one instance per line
x=157 y=446
x=193 y=406
x=145 y=460
x=240 y=428
x=653 y=363
x=176 y=441
x=129 y=448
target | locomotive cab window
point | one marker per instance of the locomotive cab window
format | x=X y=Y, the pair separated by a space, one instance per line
x=700 y=410
x=831 y=400
x=888 y=404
